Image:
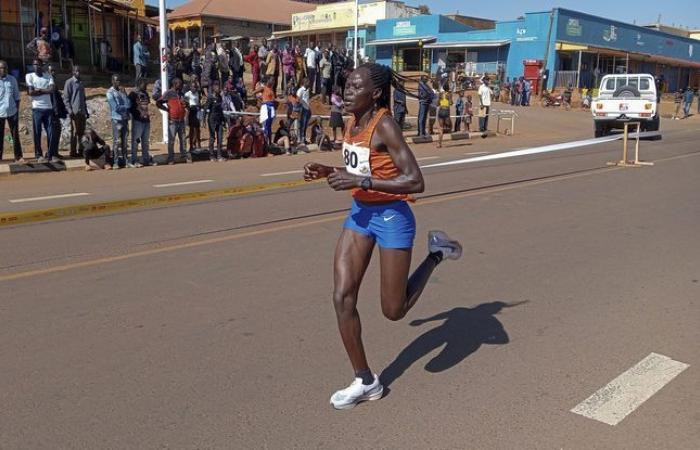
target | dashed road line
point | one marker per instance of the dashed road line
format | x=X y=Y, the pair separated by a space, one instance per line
x=476 y=153
x=182 y=183
x=48 y=197
x=616 y=400
x=273 y=174
x=427 y=158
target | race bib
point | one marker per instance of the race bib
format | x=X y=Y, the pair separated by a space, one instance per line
x=356 y=160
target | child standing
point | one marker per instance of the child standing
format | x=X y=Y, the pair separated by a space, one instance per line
x=468 y=112
x=337 y=106
x=459 y=111
x=194 y=104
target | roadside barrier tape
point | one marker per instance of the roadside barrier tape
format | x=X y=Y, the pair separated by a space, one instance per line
x=543 y=149
x=62 y=212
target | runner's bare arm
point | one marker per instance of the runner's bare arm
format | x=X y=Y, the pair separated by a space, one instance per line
x=410 y=179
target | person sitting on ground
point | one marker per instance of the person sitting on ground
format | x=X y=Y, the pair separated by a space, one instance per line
x=319 y=135
x=283 y=137
x=337 y=122
x=93 y=148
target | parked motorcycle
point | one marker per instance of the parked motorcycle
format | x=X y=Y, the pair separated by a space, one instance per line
x=547 y=99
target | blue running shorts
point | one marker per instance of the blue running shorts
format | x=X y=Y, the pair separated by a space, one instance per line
x=392 y=225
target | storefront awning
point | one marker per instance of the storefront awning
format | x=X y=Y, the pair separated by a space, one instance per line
x=290 y=33
x=411 y=40
x=469 y=44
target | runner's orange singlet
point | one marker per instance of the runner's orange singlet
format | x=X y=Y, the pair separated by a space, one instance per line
x=363 y=160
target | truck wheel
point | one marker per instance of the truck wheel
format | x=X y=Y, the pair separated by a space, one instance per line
x=600 y=130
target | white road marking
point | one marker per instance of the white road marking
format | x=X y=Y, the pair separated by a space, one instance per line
x=273 y=174
x=624 y=394
x=531 y=151
x=182 y=183
x=477 y=153
x=49 y=197
x=426 y=158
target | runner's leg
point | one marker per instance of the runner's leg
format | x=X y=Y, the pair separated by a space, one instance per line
x=399 y=292
x=352 y=256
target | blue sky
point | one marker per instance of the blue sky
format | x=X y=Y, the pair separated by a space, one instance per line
x=678 y=12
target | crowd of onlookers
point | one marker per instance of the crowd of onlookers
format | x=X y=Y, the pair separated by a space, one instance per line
x=206 y=89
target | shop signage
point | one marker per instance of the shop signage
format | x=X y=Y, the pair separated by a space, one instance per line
x=404 y=28
x=640 y=42
x=573 y=28
x=138 y=5
x=690 y=51
x=610 y=34
x=337 y=15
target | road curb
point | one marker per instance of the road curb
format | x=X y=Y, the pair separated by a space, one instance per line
x=91 y=209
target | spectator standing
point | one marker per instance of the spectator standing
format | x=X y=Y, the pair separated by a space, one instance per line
x=303 y=94
x=468 y=112
x=254 y=61
x=698 y=95
x=400 y=106
x=519 y=91
x=687 y=101
x=263 y=50
x=337 y=122
x=196 y=65
x=140 y=124
x=74 y=99
x=288 y=68
x=299 y=66
x=178 y=59
x=140 y=59
x=526 y=92
x=40 y=86
x=425 y=98
x=173 y=102
x=443 y=114
x=235 y=61
x=459 y=111
x=267 y=110
x=325 y=67
x=40 y=46
x=105 y=50
x=119 y=105
x=222 y=54
x=210 y=68
x=9 y=111
x=272 y=69
x=677 y=100
x=194 y=112
x=60 y=113
x=484 y=105
x=311 y=66
x=215 y=115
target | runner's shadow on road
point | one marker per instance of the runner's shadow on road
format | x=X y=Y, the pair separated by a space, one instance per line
x=462 y=332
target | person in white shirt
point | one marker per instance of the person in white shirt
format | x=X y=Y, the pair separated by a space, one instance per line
x=194 y=115
x=303 y=95
x=485 y=104
x=310 y=56
x=40 y=86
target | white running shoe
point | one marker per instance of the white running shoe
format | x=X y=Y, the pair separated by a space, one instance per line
x=356 y=393
x=439 y=241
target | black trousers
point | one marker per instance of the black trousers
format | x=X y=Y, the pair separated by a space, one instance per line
x=13 y=123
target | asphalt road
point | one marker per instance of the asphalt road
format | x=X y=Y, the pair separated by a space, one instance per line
x=210 y=326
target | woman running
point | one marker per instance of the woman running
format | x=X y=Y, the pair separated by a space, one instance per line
x=382 y=173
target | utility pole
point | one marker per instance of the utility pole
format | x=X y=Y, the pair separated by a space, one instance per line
x=357 y=15
x=163 y=63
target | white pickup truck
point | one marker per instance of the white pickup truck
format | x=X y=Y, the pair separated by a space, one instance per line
x=625 y=98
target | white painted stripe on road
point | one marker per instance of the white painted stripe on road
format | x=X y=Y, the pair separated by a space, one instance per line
x=49 y=197
x=624 y=394
x=182 y=183
x=530 y=151
x=273 y=174
x=427 y=158
x=477 y=153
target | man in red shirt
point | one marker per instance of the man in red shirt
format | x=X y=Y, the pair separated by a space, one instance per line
x=173 y=101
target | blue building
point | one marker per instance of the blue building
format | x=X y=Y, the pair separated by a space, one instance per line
x=572 y=47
